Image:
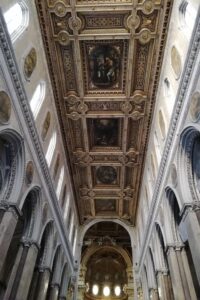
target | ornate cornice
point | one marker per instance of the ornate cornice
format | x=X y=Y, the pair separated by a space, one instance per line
x=10 y=60
x=176 y=116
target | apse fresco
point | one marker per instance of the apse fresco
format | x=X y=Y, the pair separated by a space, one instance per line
x=105 y=205
x=104 y=65
x=104 y=132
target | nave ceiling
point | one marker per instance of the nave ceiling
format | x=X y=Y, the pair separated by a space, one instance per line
x=104 y=59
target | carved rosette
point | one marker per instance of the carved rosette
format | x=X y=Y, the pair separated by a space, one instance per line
x=60 y=9
x=148 y=7
x=133 y=22
x=63 y=38
x=145 y=36
x=75 y=23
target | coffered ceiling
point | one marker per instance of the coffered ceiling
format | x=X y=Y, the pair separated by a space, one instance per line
x=104 y=59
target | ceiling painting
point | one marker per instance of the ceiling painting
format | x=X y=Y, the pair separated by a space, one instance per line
x=104 y=59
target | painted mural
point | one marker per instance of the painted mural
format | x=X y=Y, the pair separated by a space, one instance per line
x=104 y=65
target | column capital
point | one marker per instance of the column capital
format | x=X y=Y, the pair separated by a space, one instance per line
x=27 y=242
x=176 y=246
x=189 y=206
x=162 y=271
x=55 y=285
x=43 y=269
x=10 y=207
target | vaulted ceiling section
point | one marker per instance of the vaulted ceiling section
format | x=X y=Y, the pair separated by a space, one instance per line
x=104 y=59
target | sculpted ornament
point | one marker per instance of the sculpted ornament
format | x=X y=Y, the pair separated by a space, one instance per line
x=74 y=116
x=126 y=107
x=176 y=62
x=133 y=22
x=82 y=108
x=82 y=158
x=75 y=23
x=136 y=115
x=60 y=9
x=148 y=7
x=145 y=36
x=86 y=192
x=129 y=159
x=63 y=38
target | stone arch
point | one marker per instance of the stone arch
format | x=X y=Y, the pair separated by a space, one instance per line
x=173 y=210
x=161 y=244
x=151 y=269
x=41 y=274
x=55 y=278
x=117 y=249
x=185 y=167
x=64 y=281
x=123 y=224
x=48 y=251
x=12 y=164
x=32 y=204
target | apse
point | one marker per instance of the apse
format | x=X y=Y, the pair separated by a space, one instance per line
x=106 y=263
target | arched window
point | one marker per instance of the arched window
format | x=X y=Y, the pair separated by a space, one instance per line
x=187 y=15
x=74 y=242
x=162 y=124
x=57 y=164
x=66 y=207
x=37 y=99
x=17 y=18
x=153 y=169
x=167 y=87
x=63 y=196
x=71 y=227
x=51 y=148
x=46 y=125
x=69 y=218
x=60 y=182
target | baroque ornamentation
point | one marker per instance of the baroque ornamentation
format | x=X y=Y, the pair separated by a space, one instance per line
x=145 y=36
x=75 y=23
x=30 y=62
x=83 y=159
x=60 y=9
x=133 y=22
x=63 y=38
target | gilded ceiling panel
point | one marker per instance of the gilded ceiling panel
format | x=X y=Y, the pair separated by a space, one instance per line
x=104 y=59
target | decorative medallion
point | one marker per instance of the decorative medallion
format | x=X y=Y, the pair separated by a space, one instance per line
x=29 y=172
x=60 y=9
x=30 y=63
x=63 y=38
x=106 y=174
x=5 y=107
x=75 y=23
x=195 y=106
x=176 y=62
